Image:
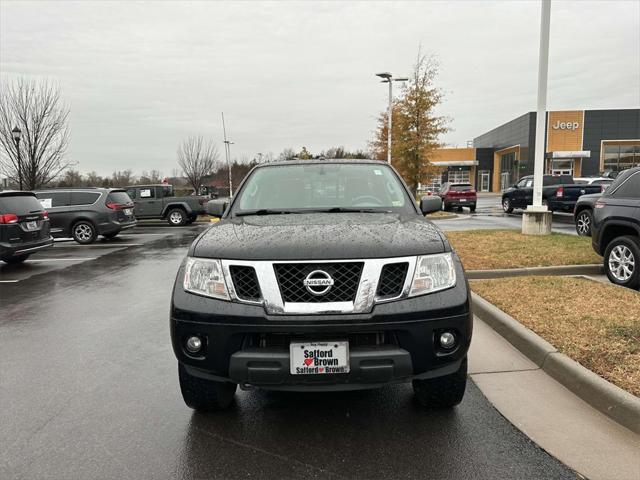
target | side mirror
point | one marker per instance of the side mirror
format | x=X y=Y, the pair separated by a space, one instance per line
x=216 y=207
x=430 y=204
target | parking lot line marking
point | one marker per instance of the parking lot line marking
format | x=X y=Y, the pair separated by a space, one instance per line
x=9 y=281
x=76 y=245
x=77 y=259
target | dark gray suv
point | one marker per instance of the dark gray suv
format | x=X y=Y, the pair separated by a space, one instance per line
x=85 y=213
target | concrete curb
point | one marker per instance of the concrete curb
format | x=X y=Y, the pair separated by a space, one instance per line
x=590 y=269
x=614 y=402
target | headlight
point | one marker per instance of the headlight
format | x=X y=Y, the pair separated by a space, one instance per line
x=204 y=277
x=433 y=273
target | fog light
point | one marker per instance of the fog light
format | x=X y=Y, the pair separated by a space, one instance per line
x=447 y=340
x=194 y=344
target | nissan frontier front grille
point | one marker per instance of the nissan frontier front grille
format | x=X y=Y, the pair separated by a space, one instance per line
x=318 y=282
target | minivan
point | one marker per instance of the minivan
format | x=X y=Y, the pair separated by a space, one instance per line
x=85 y=213
x=24 y=226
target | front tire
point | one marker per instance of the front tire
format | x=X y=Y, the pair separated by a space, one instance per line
x=205 y=395
x=507 y=206
x=84 y=232
x=176 y=217
x=472 y=209
x=583 y=223
x=15 y=260
x=622 y=261
x=442 y=392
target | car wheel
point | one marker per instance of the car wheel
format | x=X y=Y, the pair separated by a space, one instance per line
x=472 y=209
x=205 y=395
x=506 y=205
x=109 y=236
x=84 y=232
x=15 y=260
x=176 y=217
x=583 y=223
x=622 y=261
x=442 y=392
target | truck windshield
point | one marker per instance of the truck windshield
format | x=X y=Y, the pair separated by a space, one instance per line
x=322 y=187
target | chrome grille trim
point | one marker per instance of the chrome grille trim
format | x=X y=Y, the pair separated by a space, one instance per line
x=365 y=297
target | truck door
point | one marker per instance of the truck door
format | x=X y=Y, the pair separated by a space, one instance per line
x=147 y=205
x=523 y=195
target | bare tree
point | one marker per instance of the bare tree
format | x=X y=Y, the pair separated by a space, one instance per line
x=197 y=158
x=93 y=179
x=36 y=108
x=123 y=178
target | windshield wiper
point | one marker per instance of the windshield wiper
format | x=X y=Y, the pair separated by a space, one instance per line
x=262 y=211
x=352 y=210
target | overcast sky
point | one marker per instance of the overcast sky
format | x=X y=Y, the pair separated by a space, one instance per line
x=139 y=77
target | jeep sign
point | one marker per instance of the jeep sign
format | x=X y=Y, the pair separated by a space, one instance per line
x=566 y=125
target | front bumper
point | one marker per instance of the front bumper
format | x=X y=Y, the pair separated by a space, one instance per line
x=245 y=345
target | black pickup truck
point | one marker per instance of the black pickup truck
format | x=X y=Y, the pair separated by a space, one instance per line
x=559 y=193
x=157 y=201
x=321 y=276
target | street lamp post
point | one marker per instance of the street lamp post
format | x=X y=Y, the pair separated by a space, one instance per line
x=228 y=144
x=227 y=151
x=388 y=78
x=16 y=133
x=537 y=220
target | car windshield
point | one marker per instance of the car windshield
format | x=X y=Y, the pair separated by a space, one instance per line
x=319 y=187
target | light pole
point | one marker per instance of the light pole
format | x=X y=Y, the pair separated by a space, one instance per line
x=537 y=219
x=16 y=133
x=388 y=78
x=227 y=151
x=228 y=144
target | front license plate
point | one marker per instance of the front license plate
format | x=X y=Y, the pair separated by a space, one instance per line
x=31 y=226
x=319 y=358
x=128 y=211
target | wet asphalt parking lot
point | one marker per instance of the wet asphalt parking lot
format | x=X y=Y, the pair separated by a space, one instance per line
x=89 y=389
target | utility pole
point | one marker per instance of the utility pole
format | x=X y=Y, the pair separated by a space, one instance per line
x=227 y=151
x=388 y=78
x=537 y=219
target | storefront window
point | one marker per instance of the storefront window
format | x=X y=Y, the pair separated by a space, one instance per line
x=459 y=176
x=617 y=158
x=509 y=170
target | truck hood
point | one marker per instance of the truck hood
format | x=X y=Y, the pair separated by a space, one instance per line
x=319 y=236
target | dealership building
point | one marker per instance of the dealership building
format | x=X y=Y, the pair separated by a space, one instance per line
x=577 y=142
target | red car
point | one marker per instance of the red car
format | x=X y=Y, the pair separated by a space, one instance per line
x=458 y=195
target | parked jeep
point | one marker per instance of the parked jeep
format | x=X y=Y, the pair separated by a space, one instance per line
x=157 y=201
x=321 y=276
x=616 y=229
